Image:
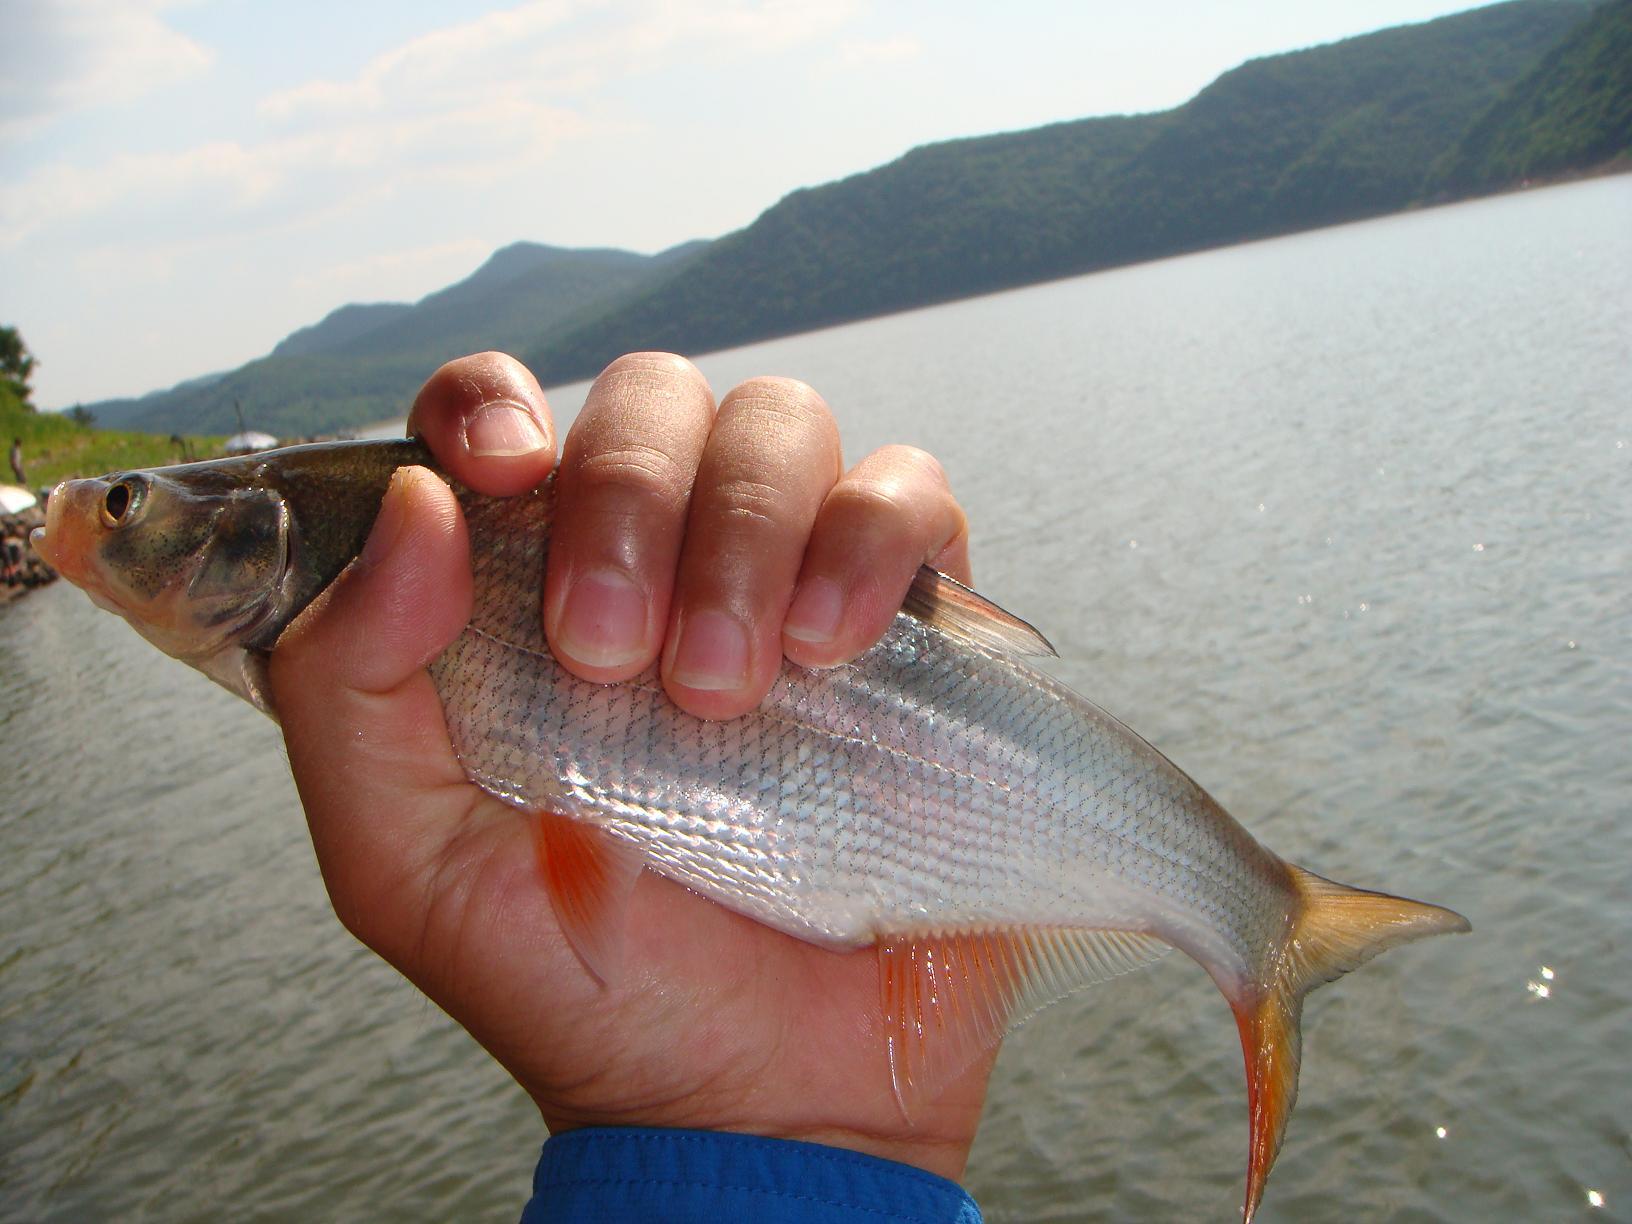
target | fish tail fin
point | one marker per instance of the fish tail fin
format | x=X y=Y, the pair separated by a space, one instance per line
x=1337 y=929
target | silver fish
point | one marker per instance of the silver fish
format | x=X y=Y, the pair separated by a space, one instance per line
x=1002 y=841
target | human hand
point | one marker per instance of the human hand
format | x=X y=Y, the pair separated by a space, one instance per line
x=715 y=545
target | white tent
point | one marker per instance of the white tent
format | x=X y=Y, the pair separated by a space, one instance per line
x=14 y=500
x=250 y=440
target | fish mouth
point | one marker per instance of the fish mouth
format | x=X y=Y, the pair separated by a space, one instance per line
x=38 y=542
x=71 y=531
x=47 y=540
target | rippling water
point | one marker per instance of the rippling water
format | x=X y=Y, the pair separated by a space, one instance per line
x=1341 y=521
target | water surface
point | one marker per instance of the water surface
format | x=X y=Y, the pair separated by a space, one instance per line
x=1340 y=521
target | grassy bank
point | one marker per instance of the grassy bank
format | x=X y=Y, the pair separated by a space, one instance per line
x=55 y=448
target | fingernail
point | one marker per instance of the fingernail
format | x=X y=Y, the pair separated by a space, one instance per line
x=502 y=428
x=603 y=619
x=814 y=614
x=388 y=522
x=712 y=654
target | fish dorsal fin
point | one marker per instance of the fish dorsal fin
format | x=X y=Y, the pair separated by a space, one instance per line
x=958 y=612
x=589 y=877
x=950 y=996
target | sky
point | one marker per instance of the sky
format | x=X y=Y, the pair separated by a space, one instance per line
x=185 y=182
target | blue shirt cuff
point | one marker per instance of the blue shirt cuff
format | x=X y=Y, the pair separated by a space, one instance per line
x=600 y=1175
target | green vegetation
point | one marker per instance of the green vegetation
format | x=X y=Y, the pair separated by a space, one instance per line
x=16 y=365
x=55 y=447
x=1573 y=110
x=1464 y=105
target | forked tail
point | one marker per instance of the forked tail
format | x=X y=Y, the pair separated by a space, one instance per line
x=1338 y=929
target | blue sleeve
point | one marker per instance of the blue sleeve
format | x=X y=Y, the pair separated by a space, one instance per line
x=607 y=1175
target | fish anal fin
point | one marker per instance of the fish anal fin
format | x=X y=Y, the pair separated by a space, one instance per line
x=589 y=877
x=950 y=996
x=1335 y=929
x=955 y=610
x=1272 y=1044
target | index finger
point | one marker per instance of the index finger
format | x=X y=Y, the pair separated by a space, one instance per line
x=487 y=422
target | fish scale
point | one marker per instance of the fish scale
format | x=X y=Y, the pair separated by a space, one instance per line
x=1004 y=809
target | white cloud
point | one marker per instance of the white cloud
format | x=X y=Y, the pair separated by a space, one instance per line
x=555 y=49
x=475 y=101
x=59 y=56
x=284 y=180
x=879 y=51
x=473 y=56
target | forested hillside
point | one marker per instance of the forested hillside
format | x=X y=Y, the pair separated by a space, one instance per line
x=1574 y=109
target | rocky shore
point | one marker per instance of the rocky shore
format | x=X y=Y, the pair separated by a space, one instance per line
x=21 y=568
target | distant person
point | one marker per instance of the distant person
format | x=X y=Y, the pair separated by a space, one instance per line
x=11 y=551
x=17 y=462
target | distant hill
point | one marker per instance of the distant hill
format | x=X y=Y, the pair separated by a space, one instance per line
x=339 y=328
x=363 y=363
x=521 y=291
x=1462 y=105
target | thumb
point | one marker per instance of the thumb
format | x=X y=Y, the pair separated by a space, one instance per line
x=362 y=722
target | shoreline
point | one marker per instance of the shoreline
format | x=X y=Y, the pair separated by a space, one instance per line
x=32 y=572
x=8 y=592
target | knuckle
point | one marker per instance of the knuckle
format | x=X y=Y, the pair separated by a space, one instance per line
x=650 y=369
x=899 y=494
x=915 y=461
x=670 y=363
x=786 y=398
x=871 y=499
x=748 y=504
x=648 y=472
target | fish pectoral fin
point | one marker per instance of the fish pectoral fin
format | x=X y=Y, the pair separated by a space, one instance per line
x=950 y=996
x=589 y=876
x=241 y=672
x=1336 y=929
x=958 y=612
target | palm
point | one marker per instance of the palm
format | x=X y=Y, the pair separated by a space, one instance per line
x=713 y=1022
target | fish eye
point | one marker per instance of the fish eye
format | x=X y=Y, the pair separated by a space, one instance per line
x=121 y=502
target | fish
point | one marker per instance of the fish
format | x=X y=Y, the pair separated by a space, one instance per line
x=1000 y=840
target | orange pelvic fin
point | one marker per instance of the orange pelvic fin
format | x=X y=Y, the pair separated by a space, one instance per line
x=589 y=877
x=949 y=996
x=1338 y=929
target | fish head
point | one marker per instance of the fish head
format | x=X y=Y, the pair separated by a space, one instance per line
x=211 y=561
x=197 y=564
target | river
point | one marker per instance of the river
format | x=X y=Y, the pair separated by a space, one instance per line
x=1341 y=521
